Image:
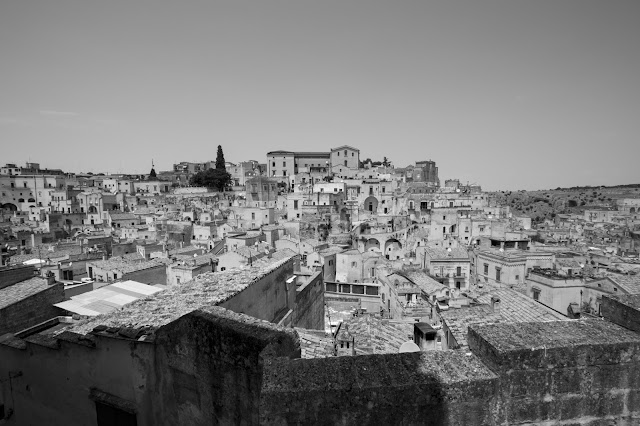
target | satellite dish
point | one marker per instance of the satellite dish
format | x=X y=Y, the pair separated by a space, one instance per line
x=408 y=347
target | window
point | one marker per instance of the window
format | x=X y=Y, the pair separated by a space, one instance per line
x=372 y=291
x=284 y=173
x=517 y=277
x=338 y=153
x=331 y=287
x=486 y=269
x=345 y=152
x=115 y=276
x=384 y=188
x=284 y=164
x=536 y=294
x=177 y=280
x=112 y=410
x=444 y=218
x=498 y=274
x=354 y=264
x=253 y=216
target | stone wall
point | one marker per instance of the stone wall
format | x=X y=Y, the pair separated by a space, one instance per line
x=10 y=275
x=32 y=310
x=622 y=310
x=267 y=299
x=49 y=381
x=579 y=372
x=309 y=308
x=214 y=366
x=151 y=276
x=414 y=388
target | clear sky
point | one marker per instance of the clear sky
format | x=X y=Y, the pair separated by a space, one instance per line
x=509 y=94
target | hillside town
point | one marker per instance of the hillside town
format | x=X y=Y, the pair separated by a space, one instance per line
x=108 y=280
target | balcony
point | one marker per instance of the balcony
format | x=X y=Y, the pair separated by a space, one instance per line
x=451 y=275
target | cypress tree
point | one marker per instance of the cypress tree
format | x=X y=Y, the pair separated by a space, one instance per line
x=220 y=159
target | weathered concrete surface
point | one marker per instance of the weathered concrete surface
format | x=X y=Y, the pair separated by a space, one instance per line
x=415 y=388
x=566 y=371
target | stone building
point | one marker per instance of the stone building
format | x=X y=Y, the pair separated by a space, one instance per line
x=450 y=266
x=345 y=156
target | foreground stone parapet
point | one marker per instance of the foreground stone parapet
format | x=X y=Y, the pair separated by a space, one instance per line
x=412 y=388
x=581 y=371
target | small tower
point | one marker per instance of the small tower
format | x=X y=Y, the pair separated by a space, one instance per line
x=344 y=341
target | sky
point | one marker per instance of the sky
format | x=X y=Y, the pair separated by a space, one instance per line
x=508 y=94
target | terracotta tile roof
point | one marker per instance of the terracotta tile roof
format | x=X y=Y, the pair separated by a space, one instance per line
x=377 y=336
x=514 y=308
x=315 y=343
x=207 y=289
x=125 y=265
x=427 y=284
x=439 y=253
x=629 y=283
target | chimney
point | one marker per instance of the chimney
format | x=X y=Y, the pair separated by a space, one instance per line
x=495 y=304
x=50 y=277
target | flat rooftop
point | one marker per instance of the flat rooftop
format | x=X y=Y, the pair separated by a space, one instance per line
x=107 y=298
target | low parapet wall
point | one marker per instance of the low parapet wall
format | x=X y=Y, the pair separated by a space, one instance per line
x=412 y=388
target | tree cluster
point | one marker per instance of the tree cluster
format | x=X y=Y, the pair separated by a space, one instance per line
x=217 y=178
x=212 y=178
